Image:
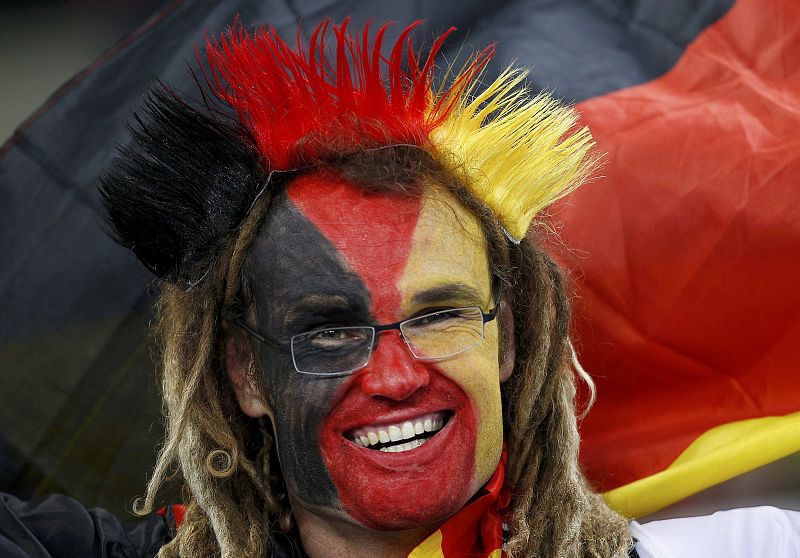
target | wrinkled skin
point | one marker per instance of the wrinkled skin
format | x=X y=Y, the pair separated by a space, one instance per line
x=330 y=254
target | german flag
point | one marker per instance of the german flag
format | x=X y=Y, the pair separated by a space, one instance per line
x=686 y=258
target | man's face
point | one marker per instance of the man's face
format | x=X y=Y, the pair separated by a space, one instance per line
x=330 y=255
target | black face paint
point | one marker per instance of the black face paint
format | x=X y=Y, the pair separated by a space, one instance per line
x=300 y=283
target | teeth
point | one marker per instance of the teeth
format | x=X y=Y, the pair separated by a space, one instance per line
x=408 y=430
x=404 y=447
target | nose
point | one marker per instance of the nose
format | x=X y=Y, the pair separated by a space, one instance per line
x=392 y=372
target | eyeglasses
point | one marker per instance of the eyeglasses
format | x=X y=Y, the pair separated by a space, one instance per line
x=338 y=351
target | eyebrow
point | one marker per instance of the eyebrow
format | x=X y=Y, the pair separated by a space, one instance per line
x=319 y=305
x=449 y=291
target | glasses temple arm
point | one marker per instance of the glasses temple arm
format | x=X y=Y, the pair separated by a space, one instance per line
x=256 y=335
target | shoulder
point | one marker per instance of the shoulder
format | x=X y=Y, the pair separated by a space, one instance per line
x=738 y=533
x=58 y=526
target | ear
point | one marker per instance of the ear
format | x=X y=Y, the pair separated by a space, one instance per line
x=241 y=374
x=505 y=319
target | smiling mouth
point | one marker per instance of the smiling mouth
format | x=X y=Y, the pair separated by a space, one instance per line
x=401 y=436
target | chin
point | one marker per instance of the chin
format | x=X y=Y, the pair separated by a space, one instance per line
x=405 y=512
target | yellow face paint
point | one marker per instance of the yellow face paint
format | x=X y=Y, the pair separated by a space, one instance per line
x=448 y=259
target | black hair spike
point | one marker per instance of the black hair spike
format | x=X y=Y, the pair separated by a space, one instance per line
x=187 y=181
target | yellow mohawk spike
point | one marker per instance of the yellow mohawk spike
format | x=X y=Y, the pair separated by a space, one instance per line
x=520 y=153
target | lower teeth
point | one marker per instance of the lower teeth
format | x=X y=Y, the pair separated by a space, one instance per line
x=404 y=447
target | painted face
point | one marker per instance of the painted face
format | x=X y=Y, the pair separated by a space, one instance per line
x=330 y=254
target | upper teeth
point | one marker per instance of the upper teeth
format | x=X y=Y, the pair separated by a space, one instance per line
x=372 y=435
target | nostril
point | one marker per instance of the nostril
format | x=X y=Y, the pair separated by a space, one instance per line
x=393 y=383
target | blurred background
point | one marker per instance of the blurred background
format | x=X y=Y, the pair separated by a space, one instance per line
x=47 y=42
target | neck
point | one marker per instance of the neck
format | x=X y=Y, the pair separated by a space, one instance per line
x=325 y=537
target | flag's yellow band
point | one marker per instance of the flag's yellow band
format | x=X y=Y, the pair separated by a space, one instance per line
x=430 y=547
x=720 y=454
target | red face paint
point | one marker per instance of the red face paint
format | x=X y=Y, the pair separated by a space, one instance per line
x=390 y=491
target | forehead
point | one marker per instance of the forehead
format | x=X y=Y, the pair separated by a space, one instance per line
x=389 y=245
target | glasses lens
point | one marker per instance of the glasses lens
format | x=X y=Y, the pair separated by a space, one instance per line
x=444 y=333
x=332 y=351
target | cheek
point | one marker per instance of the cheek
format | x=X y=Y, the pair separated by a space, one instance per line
x=299 y=406
x=477 y=373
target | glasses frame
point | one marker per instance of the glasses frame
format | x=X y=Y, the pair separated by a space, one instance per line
x=486 y=317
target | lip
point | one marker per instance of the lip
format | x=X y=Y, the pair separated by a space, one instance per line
x=353 y=436
x=428 y=452
x=357 y=411
x=417 y=452
x=400 y=416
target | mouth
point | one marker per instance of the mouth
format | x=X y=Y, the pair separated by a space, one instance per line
x=401 y=436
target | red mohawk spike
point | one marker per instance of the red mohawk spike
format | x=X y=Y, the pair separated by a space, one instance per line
x=299 y=105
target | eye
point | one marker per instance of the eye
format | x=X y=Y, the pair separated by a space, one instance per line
x=336 y=337
x=438 y=316
x=330 y=335
x=441 y=320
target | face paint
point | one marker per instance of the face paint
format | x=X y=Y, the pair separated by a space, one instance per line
x=330 y=254
x=299 y=283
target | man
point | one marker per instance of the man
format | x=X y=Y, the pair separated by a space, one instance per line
x=365 y=353
x=341 y=286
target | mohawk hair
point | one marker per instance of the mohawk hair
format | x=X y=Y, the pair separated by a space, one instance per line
x=185 y=184
x=300 y=104
x=521 y=152
x=195 y=170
